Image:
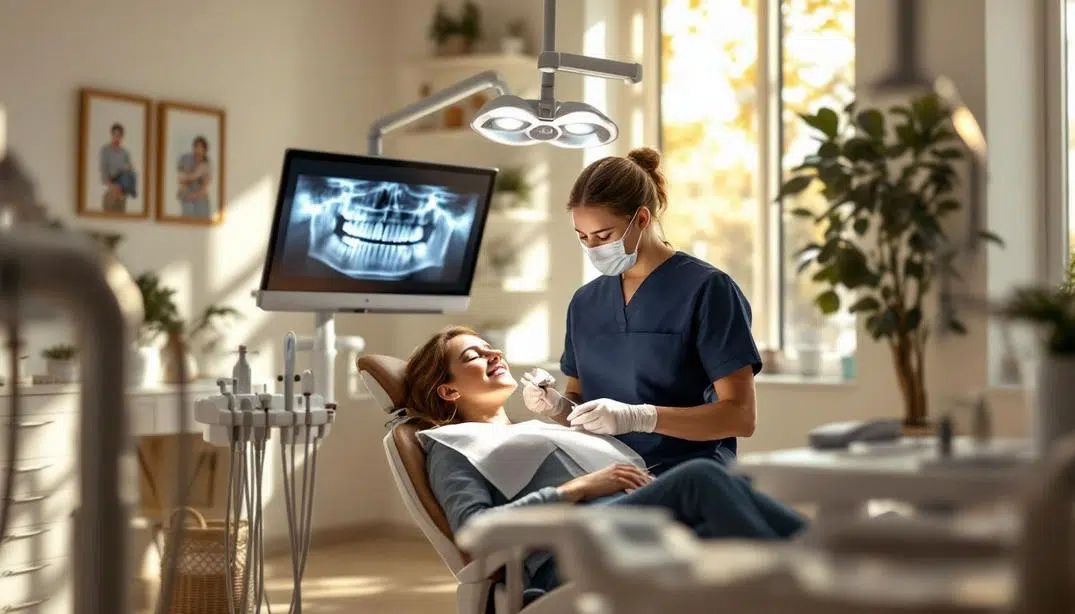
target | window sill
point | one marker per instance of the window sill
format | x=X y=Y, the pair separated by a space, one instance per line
x=795 y=379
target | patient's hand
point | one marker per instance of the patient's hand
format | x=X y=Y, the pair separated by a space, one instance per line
x=607 y=481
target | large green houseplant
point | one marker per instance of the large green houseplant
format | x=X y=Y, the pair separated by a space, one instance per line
x=888 y=182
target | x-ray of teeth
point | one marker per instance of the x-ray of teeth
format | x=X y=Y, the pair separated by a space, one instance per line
x=379 y=229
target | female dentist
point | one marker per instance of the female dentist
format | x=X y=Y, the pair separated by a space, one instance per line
x=658 y=350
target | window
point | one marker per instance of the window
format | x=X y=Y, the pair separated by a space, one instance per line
x=735 y=74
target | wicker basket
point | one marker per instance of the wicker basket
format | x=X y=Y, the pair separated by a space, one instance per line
x=202 y=578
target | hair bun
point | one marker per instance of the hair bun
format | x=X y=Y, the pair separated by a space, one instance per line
x=646 y=157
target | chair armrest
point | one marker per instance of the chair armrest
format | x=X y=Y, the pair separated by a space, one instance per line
x=489 y=567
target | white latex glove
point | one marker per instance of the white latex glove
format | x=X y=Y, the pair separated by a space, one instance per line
x=608 y=417
x=539 y=395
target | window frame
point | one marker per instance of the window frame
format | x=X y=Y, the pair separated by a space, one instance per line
x=771 y=274
x=1055 y=248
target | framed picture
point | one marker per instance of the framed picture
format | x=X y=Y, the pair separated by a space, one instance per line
x=113 y=154
x=190 y=164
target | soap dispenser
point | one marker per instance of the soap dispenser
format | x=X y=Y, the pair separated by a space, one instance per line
x=240 y=373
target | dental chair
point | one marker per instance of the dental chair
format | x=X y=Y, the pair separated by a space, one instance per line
x=383 y=375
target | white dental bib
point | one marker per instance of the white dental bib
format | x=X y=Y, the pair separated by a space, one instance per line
x=508 y=455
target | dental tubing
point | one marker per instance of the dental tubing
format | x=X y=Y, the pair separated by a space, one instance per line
x=244 y=421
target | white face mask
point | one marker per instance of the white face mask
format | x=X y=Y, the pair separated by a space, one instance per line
x=612 y=258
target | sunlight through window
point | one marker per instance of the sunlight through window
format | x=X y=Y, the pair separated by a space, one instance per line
x=713 y=92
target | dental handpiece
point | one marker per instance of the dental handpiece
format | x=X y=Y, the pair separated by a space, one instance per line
x=289 y=371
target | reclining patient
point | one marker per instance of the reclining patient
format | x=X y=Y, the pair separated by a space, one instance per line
x=479 y=462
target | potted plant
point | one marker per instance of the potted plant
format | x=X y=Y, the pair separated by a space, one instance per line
x=159 y=310
x=61 y=364
x=179 y=337
x=514 y=40
x=455 y=36
x=511 y=189
x=161 y=318
x=1052 y=311
x=470 y=25
x=888 y=183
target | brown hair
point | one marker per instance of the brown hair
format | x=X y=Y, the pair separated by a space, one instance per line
x=426 y=369
x=623 y=184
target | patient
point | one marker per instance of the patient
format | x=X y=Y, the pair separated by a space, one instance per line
x=456 y=386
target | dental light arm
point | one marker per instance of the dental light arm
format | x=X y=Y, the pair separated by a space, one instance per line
x=552 y=61
x=431 y=104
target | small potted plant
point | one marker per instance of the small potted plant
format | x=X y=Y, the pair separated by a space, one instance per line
x=455 y=36
x=60 y=363
x=514 y=40
x=511 y=189
x=180 y=336
x=159 y=311
x=1051 y=310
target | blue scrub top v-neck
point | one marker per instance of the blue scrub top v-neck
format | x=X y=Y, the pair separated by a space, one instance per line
x=687 y=325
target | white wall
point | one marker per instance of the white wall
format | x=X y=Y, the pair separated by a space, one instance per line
x=288 y=75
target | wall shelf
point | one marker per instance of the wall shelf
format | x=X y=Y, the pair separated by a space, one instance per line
x=481 y=61
x=518 y=215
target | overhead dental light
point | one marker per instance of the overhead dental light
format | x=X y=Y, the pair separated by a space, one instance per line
x=513 y=120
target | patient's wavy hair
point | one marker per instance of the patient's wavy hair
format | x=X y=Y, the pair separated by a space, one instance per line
x=428 y=368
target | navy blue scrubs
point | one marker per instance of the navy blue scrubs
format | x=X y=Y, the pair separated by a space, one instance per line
x=687 y=325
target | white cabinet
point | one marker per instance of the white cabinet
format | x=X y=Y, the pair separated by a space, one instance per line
x=35 y=551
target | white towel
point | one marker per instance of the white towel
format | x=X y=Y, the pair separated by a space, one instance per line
x=508 y=455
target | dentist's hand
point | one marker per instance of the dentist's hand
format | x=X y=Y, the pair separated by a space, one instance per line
x=538 y=395
x=608 y=417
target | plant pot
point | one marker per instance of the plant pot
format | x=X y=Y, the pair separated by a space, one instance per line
x=810 y=361
x=1052 y=407
x=505 y=201
x=61 y=371
x=170 y=354
x=454 y=45
x=512 y=45
x=146 y=369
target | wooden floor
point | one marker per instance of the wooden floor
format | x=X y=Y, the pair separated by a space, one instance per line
x=378 y=576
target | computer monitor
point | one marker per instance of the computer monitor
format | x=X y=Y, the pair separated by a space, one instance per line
x=367 y=234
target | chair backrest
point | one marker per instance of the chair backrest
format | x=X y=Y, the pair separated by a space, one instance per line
x=383 y=375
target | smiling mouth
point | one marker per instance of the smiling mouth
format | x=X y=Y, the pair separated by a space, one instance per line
x=497 y=370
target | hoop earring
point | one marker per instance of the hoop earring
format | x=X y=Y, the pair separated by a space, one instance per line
x=455 y=411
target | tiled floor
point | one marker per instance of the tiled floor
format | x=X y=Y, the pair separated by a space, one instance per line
x=380 y=576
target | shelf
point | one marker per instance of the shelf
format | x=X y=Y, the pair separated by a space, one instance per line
x=481 y=61
x=519 y=215
x=510 y=285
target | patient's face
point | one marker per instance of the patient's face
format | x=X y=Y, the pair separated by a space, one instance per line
x=479 y=373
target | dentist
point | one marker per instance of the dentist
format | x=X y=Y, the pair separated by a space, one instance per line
x=658 y=350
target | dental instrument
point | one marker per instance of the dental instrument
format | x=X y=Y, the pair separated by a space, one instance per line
x=246 y=422
x=530 y=378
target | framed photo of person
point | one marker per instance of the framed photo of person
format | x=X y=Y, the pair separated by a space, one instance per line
x=113 y=154
x=190 y=163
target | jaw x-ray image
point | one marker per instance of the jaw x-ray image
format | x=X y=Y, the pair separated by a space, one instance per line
x=380 y=230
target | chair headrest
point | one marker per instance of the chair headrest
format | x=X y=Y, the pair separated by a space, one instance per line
x=387 y=375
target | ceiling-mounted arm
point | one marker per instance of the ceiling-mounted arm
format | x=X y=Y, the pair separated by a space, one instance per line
x=551 y=61
x=431 y=104
x=908 y=69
